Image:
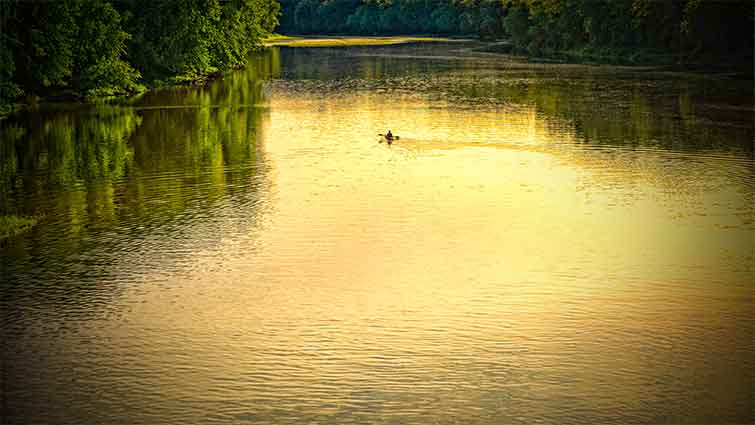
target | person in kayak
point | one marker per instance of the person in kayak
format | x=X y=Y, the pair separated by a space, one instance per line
x=389 y=137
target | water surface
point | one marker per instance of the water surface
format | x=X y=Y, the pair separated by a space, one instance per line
x=546 y=243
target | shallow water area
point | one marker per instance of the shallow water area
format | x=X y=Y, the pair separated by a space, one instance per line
x=544 y=243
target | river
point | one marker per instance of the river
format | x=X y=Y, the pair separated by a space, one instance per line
x=559 y=244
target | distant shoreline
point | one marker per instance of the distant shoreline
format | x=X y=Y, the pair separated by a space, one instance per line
x=501 y=48
x=504 y=47
x=350 y=40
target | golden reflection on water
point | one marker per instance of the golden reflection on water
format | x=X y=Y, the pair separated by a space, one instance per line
x=268 y=261
x=485 y=259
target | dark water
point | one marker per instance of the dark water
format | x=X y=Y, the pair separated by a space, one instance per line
x=544 y=244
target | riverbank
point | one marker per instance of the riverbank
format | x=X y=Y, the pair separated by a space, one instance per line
x=505 y=48
x=274 y=40
x=695 y=62
x=111 y=48
x=346 y=40
x=33 y=101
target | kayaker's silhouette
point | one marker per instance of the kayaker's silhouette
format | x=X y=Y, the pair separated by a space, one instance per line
x=389 y=137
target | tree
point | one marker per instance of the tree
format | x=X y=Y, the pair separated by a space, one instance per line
x=99 y=66
x=516 y=23
x=305 y=16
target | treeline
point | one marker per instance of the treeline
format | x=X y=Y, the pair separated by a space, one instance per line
x=385 y=17
x=102 y=47
x=702 y=28
x=695 y=27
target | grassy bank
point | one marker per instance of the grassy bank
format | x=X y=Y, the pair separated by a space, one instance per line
x=345 y=40
x=11 y=225
x=273 y=38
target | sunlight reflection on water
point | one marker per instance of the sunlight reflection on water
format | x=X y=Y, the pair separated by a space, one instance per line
x=541 y=245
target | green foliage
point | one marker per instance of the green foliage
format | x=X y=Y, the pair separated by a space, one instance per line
x=516 y=23
x=542 y=27
x=74 y=44
x=686 y=27
x=46 y=33
x=390 y=17
x=99 y=66
x=444 y=20
x=104 y=47
x=9 y=89
x=194 y=38
x=305 y=14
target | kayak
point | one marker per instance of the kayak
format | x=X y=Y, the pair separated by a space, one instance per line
x=388 y=140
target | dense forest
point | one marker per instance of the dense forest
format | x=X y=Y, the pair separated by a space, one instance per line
x=102 y=47
x=702 y=28
x=385 y=17
x=705 y=29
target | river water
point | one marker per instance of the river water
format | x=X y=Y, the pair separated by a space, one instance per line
x=544 y=244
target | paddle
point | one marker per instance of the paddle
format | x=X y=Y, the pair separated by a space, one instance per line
x=390 y=140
